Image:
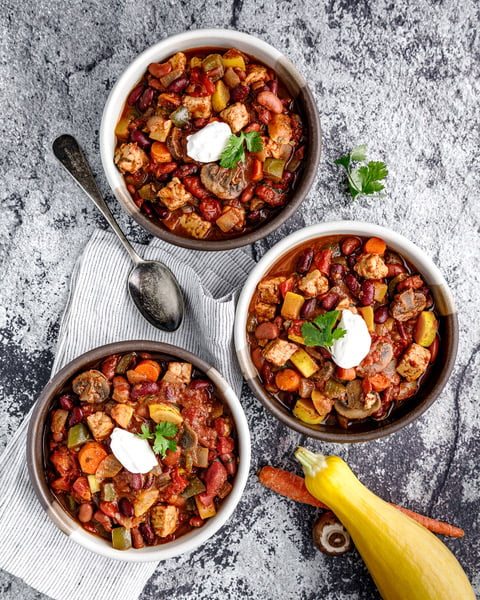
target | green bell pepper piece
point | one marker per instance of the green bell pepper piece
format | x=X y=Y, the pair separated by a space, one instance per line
x=121 y=538
x=77 y=435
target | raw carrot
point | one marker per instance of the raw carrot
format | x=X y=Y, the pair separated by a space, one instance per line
x=90 y=456
x=288 y=484
x=293 y=486
x=149 y=368
x=375 y=246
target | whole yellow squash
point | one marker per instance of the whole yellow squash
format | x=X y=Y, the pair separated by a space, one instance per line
x=405 y=560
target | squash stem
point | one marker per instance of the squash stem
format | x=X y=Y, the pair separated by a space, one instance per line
x=312 y=463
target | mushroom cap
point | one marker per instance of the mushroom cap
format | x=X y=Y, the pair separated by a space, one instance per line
x=330 y=536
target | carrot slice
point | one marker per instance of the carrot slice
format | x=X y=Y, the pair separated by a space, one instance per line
x=149 y=368
x=257 y=170
x=160 y=153
x=292 y=486
x=90 y=456
x=375 y=246
x=346 y=374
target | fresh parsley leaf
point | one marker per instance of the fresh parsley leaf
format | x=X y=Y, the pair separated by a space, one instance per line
x=234 y=151
x=364 y=179
x=163 y=431
x=320 y=331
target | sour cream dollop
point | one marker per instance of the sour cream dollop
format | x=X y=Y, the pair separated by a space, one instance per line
x=208 y=144
x=135 y=453
x=353 y=347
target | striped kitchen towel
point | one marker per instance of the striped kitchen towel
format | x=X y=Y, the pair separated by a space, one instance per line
x=100 y=311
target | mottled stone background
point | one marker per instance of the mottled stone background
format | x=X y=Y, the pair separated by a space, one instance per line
x=401 y=76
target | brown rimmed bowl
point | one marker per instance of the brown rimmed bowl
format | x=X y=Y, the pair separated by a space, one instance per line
x=73 y=529
x=214 y=38
x=432 y=383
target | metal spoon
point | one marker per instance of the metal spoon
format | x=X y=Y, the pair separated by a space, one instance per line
x=151 y=284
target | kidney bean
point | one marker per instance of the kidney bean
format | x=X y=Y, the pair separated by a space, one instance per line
x=257 y=358
x=136 y=481
x=147 y=388
x=254 y=127
x=273 y=85
x=304 y=261
x=336 y=272
x=255 y=216
x=239 y=93
x=308 y=308
x=103 y=519
x=135 y=94
x=195 y=187
x=210 y=208
x=141 y=139
x=394 y=269
x=352 y=260
x=145 y=99
x=266 y=331
x=185 y=170
x=66 y=401
x=434 y=346
x=178 y=85
x=76 y=416
x=196 y=522
x=201 y=384
x=164 y=168
x=413 y=282
x=147 y=533
x=137 y=539
x=126 y=507
x=149 y=481
x=381 y=314
x=401 y=330
x=268 y=377
x=352 y=283
x=349 y=245
x=367 y=296
x=162 y=211
x=329 y=300
x=159 y=70
x=85 y=513
x=247 y=193
x=270 y=101
x=263 y=114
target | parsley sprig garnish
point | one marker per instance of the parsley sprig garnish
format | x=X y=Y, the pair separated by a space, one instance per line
x=234 y=150
x=363 y=180
x=320 y=331
x=161 y=436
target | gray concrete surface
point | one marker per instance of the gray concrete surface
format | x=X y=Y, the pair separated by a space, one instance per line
x=401 y=76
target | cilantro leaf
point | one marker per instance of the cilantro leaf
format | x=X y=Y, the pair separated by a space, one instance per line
x=163 y=431
x=365 y=179
x=320 y=331
x=234 y=151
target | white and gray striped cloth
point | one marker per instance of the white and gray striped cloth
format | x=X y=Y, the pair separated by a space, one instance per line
x=100 y=311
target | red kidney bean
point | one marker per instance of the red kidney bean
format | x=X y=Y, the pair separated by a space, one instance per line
x=253 y=127
x=304 y=261
x=85 y=513
x=268 y=377
x=367 y=296
x=401 y=330
x=349 y=245
x=381 y=314
x=76 y=416
x=273 y=85
x=266 y=331
x=308 y=308
x=394 y=269
x=66 y=401
x=126 y=507
x=136 y=481
x=149 y=481
x=196 y=522
x=257 y=358
x=201 y=384
x=352 y=283
x=352 y=260
x=137 y=539
x=135 y=94
x=239 y=93
x=210 y=208
x=145 y=99
x=162 y=211
x=147 y=388
x=329 y=300
x=185 y=170
x=147 y=533
x=164 y=168
x=247 y=193
x=178 y=85
x=270 y=101
x=103 y=519
x=434 y=346
x=263 y=114
x=141 y=139
x=413 y=282
x=159 y=70
x=336 y=271
x=195 y=187
x=255 y=216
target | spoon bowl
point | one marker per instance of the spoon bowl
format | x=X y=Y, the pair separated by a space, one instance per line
x=151 y=285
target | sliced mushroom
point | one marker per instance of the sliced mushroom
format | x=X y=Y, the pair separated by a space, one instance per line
x=188 y=439
x=224 y=183
x=330 y=536
x=176 y=144
x=382 y=353
x=92 y=386
x=357 y=405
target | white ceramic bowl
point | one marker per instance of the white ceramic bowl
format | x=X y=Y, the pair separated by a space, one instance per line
x=63 y=520
x=445 y=308
x=220 y=38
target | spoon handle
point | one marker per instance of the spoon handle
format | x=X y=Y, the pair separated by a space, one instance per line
x=67 y=150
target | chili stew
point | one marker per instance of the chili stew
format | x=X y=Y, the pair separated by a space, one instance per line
x=180 y=97
x=185 y=432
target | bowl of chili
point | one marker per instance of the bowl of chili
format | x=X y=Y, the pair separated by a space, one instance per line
x=346 y=331
x=138 y=451
x=210 y=139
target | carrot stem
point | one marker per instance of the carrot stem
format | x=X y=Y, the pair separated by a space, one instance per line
x=293 y=486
